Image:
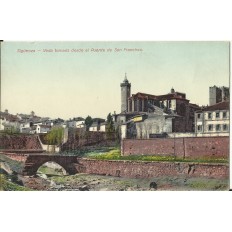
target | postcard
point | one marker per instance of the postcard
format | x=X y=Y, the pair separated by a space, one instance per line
x=114 y=116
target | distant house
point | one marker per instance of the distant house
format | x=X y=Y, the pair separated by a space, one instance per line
x=9 y=122
x=42 y=129
x=25 y=127
x=94 y=127
x=2 y=123
x=103 y=126
x=97 y=125
x=76 y=123
x=213 y=119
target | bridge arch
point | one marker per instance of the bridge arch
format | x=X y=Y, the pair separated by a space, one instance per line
x=34 y=162
x=51 y=168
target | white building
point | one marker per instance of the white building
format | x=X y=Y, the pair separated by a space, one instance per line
x=2 y=123
x=213 y=120
x=8 y=122
x=94 y=127
x=103 y=127
x=76 y=124
x=25 y=127
x=42 y=129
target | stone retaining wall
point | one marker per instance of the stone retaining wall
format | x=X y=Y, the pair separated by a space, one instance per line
x=19 y=141
x=141 y=169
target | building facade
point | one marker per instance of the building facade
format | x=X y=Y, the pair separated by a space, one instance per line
x=213 y=120
x=172 y=109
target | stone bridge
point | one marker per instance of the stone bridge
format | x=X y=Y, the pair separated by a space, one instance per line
x=32 y=162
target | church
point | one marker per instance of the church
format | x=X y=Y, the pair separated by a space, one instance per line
x=147 y=115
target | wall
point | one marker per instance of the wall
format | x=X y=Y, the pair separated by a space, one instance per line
x=78 y=138
x=27 y=142
x=133 y=169
x=193 y=147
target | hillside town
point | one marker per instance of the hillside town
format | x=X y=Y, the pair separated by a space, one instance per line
x=142 y=116
x=33 y=124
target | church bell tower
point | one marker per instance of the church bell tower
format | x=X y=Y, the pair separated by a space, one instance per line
x=125 y=94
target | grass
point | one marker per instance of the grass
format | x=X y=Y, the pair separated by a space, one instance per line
x=89 y=151
x=115 y=154
x=209 y=184
x=6 y=185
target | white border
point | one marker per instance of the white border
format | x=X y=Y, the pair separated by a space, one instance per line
x=115 y=20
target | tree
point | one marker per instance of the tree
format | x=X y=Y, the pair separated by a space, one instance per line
x=110 y=125
x=88 y=122
x=55 y=136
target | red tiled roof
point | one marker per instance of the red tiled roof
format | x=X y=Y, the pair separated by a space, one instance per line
x=219 y=106
x=176 y=95
x=143 y=95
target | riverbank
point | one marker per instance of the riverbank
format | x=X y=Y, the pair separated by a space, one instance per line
x=89 y=182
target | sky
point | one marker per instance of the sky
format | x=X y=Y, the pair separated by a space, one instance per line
x=68 y=83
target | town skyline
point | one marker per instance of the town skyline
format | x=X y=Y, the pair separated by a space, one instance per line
x=65 y=84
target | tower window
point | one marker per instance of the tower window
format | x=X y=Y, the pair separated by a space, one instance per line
x=199 y=128
x=217 y=114
x=209 y=115
x=198 y=115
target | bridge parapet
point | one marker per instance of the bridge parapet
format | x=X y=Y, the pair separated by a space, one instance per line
x=16 y=156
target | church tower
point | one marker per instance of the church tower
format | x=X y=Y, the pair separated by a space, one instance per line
x=125 y=94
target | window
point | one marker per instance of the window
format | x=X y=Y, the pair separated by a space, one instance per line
x=199 y=128
x=224 y=114
x=217 y=114
x=224 y=127
x=198 y=115
x=209 y=115
x=210 y=127
x=218 y=127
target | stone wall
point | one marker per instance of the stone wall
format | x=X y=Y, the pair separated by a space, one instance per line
x=141 y=169
x=26 y=142
x=195 y=147
x=79 y=138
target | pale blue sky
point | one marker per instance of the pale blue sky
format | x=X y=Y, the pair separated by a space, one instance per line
x=79 y=84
